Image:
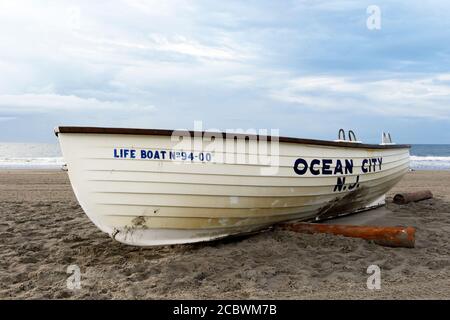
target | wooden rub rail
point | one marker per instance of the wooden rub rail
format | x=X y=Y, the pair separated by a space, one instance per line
x=165 y=132
x=386 y=236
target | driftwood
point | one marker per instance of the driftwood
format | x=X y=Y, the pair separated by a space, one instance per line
x=386 y=236
x=407 y=197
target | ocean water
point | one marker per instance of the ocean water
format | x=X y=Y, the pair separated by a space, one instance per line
x=430 y=157
x=30 y=156
x=48 y=156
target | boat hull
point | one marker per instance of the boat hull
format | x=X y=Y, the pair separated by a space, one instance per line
x=143 y=200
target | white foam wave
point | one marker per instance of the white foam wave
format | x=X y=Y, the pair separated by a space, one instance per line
x=430 y=158
x=32 y=163
x=430 y=163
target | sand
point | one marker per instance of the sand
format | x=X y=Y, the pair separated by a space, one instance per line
x=43 y=231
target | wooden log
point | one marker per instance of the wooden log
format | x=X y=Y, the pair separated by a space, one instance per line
x=407 y=197
x=386 y=236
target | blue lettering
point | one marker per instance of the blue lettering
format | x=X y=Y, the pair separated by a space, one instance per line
x=380 y=161
x=303 y=169
x=125 y=153
x=348 y=166
x=374 y=162
x=354 y=185
x=326 y=166
x=338 y=168
x=340 y=185
x=314 y=163
x=363 y=166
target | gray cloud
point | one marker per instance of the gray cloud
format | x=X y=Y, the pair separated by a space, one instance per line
x=301 y=66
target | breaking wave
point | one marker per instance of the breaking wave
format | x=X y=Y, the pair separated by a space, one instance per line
x=32 y=163
x=430 y=163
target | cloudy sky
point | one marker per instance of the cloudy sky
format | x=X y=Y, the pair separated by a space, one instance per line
x=306 y=67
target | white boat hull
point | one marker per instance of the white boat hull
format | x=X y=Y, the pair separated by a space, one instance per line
x=149 y=202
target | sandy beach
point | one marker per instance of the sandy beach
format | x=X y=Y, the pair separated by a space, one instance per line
x=43 y=230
